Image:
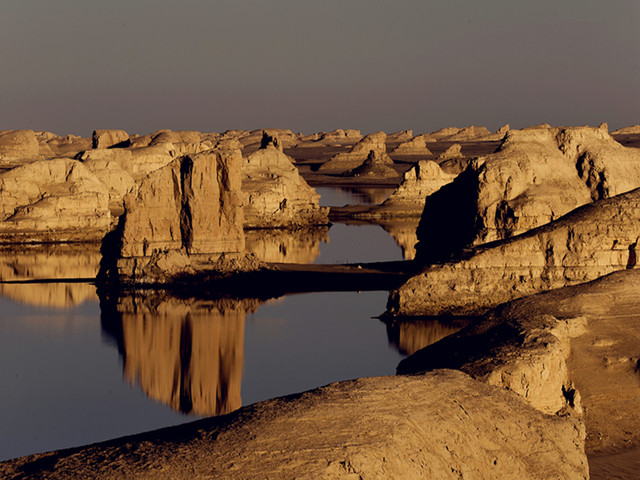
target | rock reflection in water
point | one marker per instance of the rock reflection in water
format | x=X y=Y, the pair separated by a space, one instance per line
x=409 y=336
x=186 y=354
x=285 y=245
x=403 y=231
x=49 y=262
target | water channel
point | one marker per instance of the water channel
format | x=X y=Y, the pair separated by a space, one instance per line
x=77 y=370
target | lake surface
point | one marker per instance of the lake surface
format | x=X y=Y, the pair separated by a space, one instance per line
x=76 y=370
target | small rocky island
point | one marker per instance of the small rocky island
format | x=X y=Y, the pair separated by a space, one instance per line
x=530 y=235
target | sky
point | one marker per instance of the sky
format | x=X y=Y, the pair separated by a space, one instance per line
x=72 y=66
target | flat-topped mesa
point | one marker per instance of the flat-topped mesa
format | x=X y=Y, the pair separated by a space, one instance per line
x=343 y=162
x=338 y=136
x=537 y=175
x=183 y=216
x=630 y=130
x=18 y=147
x=589 y=242
x=48 y=201
x=274 y=193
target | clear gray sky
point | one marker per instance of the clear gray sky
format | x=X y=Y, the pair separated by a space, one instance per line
x=70 y=66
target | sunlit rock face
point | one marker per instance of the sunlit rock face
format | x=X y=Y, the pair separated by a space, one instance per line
x=574 y=348
x=415 y=146
x=375 y=165
x=56 y=200
x=422 y=180
x=17 y=147
x=49 y=262
x=285 y=245
x=538 y=175
x=190 y=207
x=122 y=170
x=108 y=138
x=274 y=193
x=591 y=241
x=344 y=162
x=185 y=354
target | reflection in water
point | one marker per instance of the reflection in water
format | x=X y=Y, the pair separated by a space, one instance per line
x=340 y=196
x=186 y=354
x=409 y=336
x=403 y=231
x=46 y=262
x=286 y=246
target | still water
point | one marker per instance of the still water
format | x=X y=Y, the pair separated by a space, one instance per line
x=77 y=370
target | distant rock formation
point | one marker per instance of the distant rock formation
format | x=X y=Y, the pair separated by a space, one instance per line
x=338 y=136
x=454 y=134
x=52 y=201
x=422 y=180
x=109 y=138
x=592 y=241
x=17 y=147
x=538 y=175
x=442 y=425
x=188 y=209
x=454 y=151
x=187 y=355
x=415 y=146
x=631 y=130
x=401 y=136
x=274 y=193
x=343 y=162
x=376 y=165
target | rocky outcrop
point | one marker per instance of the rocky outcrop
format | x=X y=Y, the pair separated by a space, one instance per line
x=454 y=134
x=185 y=354
x=343 y=162
x=278 y=245
x=122 y=170
x=422 y=180
x=440 y=425
x=589 y=242
x=188 y=209
x=109 y=139
x=631 y=130
x=52 y=201
x=274 y=193
x=401 y=136
x=414 y=146
x=538 y=175
x=454 y=151
x=338 y=136
x=578 y=342
x=376 y=165
x=17 y=147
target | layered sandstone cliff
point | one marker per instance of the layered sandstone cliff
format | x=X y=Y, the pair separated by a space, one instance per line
x=189 y=209
x=18 y=147
x=274 y=193
x=585 y=244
